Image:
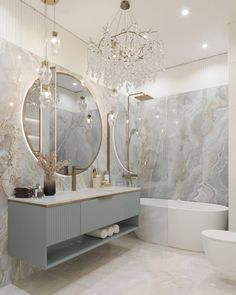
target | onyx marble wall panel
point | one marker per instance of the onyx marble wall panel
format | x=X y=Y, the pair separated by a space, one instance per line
x=18 y=167
x=181 y=151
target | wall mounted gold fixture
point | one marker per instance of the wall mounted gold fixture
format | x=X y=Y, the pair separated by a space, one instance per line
x=74 y=177
x=141 y=97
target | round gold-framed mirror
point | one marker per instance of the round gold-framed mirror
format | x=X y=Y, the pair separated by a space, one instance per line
x=71 y=127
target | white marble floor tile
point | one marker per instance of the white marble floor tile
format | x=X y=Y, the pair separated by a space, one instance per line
x=12 y=290
x=129 y=266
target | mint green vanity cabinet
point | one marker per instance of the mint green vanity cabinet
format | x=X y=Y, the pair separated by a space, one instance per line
x=27 y=233
x=32 y=229
x=107 y=210
x=45 y=236
x=63 y=223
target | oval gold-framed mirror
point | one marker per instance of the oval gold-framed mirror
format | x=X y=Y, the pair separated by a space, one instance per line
x=72 y=126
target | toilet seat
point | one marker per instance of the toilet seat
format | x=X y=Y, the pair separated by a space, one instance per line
x=220 y=235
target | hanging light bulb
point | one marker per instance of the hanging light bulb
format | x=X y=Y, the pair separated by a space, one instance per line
x=55 y=43
x=114 y=92
x=55 y=40
x=112 y=118
x=45 y=73
x=83 y=103
x=89 y=120
x=46 y=98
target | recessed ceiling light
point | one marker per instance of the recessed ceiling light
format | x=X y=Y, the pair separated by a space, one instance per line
x=204 y=45
x=185 y=12
x=74 y=84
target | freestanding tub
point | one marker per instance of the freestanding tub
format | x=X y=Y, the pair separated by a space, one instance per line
x=178 y=223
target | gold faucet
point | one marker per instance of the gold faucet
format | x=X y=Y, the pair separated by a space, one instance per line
x=74 y=170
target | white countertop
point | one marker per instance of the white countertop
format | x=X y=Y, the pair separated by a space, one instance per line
x=67 y=197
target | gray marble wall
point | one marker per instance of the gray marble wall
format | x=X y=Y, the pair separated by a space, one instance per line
x=181 y=149
x=17 y=164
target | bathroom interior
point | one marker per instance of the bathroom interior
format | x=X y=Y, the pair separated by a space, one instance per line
x=117 y=147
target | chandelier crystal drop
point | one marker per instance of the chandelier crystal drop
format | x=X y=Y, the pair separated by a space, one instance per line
x=127 y=55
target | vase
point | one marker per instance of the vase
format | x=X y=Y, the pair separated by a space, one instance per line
x=49 y=185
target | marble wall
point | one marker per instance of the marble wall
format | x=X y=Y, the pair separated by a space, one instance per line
x=17 y=163
x=181 y=148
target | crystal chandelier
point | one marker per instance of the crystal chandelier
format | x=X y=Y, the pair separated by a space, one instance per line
x=127 y=55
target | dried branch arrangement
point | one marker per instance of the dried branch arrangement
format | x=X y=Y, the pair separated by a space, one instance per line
x=49 y=165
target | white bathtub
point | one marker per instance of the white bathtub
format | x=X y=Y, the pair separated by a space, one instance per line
x=179 y=224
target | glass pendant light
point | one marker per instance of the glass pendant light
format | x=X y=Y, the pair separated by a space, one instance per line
x=82 y=103
x=44 y=73
x=45 y=96
x=55 y=40
x=55 y=43
x=89 y=121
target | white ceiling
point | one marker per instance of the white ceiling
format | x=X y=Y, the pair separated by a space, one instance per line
x=182 y=36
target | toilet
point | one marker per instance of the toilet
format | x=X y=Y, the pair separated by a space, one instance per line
x=220 y=249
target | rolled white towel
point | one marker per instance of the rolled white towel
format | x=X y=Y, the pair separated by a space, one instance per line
x=110 y=231
x=99 y=233
x=116 y=228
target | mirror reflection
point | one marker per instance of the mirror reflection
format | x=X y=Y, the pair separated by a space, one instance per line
x=73 y=125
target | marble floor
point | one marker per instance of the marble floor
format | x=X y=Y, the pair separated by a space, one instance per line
x=128 y=266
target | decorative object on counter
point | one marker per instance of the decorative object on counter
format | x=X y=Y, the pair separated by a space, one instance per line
x=97 y=181
x=49 y=185
x=94 y=172
x=38 y=191
x=137 y=55
x=50 y=167
x=23 y=192
x=106 y=178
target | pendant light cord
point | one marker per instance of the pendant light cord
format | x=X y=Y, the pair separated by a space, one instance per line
x=54 y=16
x=45 y=31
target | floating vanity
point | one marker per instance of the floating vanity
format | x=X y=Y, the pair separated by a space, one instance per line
x=49 y=231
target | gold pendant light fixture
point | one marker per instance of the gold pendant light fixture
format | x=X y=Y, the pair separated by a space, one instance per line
x=125 y=55
x=50 y=2
x=55 y=40
x=45 y=73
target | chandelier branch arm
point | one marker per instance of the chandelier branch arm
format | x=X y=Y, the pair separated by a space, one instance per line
x=128 y=32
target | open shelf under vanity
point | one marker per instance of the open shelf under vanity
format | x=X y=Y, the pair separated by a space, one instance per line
x=64 y=251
